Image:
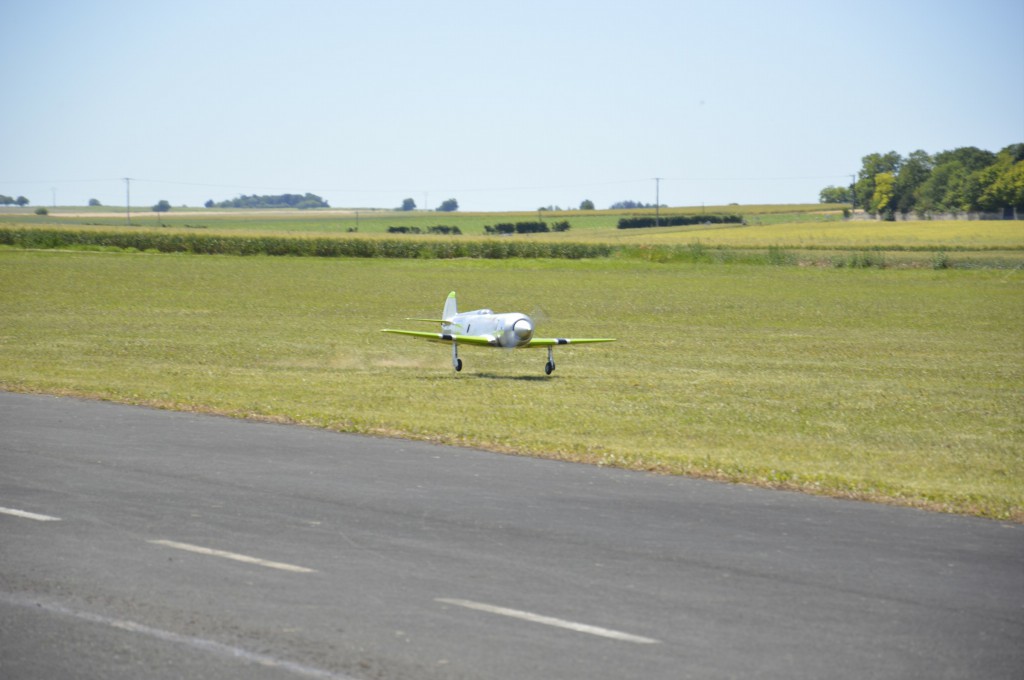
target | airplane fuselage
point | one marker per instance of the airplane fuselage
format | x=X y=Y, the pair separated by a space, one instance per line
x=509 y=330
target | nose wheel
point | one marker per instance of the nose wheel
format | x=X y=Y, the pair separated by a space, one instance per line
x=550 y=366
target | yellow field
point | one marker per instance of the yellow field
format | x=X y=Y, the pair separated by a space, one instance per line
x=860 y=233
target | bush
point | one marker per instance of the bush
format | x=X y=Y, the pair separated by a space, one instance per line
x=779 y=257
x=941 y=261
x=445 y=230
x=439 y=229
x=519 y=228
x=677 y=221
x=863 y=260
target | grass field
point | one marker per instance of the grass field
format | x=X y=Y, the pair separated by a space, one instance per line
x=899 y=385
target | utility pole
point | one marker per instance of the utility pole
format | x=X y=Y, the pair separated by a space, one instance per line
x=657 y=201
x=128 y=199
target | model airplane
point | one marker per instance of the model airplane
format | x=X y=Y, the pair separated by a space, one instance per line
x=484 y=327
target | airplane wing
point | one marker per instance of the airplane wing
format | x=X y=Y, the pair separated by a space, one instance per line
x=485 y=340
x=492 y=341
x=549 y=342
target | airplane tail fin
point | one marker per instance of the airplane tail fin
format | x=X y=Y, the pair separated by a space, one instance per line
x=450 y=308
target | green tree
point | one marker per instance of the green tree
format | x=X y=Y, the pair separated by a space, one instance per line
x=408 y=204
x=1003 y=183
x=913 y=172
x=587 y=205
x=971 y=157
x=94 y=202
x=883 y=199
x=22 y=201
x=831 y=194
x=946 y=188
x=162 y=206
x=451 y=205
x=871 y=166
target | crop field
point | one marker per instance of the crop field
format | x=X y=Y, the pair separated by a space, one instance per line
x=951 y=235
x=803 y=231
x=894 y=385
x=375 y=221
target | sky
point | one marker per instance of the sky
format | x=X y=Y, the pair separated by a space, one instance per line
x=500 y=105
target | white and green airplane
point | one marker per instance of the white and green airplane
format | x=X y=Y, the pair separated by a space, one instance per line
x=483 y=327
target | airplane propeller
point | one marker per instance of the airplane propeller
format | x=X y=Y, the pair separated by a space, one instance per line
x=539 y=316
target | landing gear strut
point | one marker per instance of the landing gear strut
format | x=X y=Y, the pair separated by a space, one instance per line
x=550 y=366
x=456 y=361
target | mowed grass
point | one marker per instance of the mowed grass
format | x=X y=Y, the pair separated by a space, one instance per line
x=905 y=386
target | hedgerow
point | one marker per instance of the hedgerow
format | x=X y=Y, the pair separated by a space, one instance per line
x=218 y=244
x=677 y=221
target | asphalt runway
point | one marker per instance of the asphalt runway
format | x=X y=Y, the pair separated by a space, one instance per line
x=142 y=543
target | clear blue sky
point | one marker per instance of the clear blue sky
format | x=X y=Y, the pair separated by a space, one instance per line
x=501 y=105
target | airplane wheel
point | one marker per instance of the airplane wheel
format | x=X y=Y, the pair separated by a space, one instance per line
x=548 y=367
x=458 y=365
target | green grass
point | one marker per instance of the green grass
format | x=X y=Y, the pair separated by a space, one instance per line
x=897 y=385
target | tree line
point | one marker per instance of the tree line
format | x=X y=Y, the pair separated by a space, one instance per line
x=964 y=180
x=230 y=244
x=449 y=205
x=302 y=202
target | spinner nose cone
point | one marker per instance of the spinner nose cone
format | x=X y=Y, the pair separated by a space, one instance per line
x=523 y=330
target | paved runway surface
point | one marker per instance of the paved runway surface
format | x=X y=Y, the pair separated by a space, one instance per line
x=139 y=543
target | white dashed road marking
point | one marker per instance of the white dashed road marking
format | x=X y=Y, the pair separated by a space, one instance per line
x=550 y=621
x=200 y=644
x=283 y=566
x=28 y=515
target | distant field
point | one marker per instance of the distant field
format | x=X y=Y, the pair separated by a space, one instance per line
x=952 y=234
x=782 y=235
x=898 y=385
x=343 y=221
x=786 y=226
